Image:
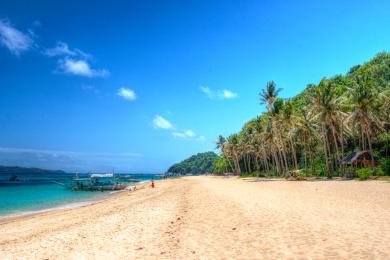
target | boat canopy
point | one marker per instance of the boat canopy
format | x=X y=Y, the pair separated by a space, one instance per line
x=106 y=175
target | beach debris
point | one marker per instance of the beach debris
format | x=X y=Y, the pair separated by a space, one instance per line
x=193 y=252
x=234 y=228
x=296 y=178
x=178 y=218
x=140 y=248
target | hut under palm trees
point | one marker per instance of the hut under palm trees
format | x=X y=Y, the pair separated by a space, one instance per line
x=358 y=159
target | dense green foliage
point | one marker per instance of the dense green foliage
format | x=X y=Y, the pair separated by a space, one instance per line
x=220 y=165
x=196 y=164
x=313 y=131
x=19 y=170
x=363 y=174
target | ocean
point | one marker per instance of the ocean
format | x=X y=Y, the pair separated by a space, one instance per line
x=39 y=192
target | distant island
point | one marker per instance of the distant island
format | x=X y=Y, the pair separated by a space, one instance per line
x=196 y=164
x=14 y=170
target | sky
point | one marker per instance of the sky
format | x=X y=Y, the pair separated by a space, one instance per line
x=136 y=86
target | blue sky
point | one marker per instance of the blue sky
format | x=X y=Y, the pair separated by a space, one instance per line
x=139 y=85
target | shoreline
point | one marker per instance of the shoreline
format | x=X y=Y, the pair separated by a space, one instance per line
x=72 y=205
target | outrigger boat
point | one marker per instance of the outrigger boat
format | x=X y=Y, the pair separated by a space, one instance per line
x=99 y=182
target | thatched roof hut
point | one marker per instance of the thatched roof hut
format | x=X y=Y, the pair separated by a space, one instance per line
x=361 y=158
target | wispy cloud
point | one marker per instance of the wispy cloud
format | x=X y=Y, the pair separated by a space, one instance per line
x=71 y=61
x=218 y=94
x=127 y=94
x=184 y=134
x=80 y=67
x=189 y=135
x=201 y=138
x=160 y=122
x=90 y=88
x=13 y=39
x=62 y=49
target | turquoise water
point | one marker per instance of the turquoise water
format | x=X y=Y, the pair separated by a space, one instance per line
x=38 y=192
x=25 y=198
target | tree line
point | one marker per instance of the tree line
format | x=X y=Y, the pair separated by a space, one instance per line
x=312 y=132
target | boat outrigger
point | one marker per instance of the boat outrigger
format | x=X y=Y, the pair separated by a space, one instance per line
x=99 y=182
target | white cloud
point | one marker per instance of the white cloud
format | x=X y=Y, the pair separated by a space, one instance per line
x=228 y=94
x=210 y=94
x=201 y=138
x=61 y=49
x=73 y=61
x=185 y=134
x=15 y=40
x=219 y=94
x=160 y=122
x=80 y=68
x=127 y=94
x=189 y=135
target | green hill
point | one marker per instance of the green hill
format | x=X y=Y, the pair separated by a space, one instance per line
x=196 y=164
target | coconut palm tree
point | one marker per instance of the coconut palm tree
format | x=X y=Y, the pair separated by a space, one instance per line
x=234 y=152
x=269 y=95
x=324 y=110
x=363 y=97
x=220 y=144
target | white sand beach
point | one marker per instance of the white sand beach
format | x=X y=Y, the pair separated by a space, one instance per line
x=213 y=218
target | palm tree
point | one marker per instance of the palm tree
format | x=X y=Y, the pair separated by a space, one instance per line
x=289 y=120
x=269 y=94
x=220 y=144
x=325 y=110
x=234 y=152
x=306 y=133
x=365 y=113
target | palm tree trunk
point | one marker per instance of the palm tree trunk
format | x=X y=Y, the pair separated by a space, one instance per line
x=230 y=164
x=336 y=146
x=325 y=149
x=276 y=161
x=370 y=147
x=294 y=154
x=245 y=165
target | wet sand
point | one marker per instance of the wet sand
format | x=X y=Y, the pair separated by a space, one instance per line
x=213 y=218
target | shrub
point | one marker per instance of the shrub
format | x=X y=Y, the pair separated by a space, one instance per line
x=385 y=165
x=364 y=173
x=377 y=171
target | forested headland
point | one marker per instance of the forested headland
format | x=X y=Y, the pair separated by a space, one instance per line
x=196 y=164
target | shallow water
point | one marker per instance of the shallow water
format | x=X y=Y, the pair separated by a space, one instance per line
x=37 y=192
